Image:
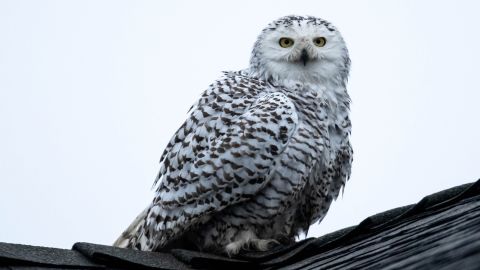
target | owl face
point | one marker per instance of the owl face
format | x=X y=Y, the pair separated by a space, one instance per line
x=305 y=49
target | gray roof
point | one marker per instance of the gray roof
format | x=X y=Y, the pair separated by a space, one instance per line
x=442 y=231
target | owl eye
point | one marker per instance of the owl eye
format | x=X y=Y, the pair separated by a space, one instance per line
x=319 y=41
x=285 y=42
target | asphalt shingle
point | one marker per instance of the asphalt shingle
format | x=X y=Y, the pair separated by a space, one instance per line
x=442 y=231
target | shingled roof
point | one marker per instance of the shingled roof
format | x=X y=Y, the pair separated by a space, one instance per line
x=442 y=231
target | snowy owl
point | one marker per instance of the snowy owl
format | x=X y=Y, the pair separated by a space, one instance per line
x=263 y=152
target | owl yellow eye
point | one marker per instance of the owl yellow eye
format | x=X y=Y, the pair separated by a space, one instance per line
x=285 y=42
x=319 y=41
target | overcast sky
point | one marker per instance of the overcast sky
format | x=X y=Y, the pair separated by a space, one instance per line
x=91 y=91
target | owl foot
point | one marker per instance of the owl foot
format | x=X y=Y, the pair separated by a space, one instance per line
x=251 y=244
x=263 y=244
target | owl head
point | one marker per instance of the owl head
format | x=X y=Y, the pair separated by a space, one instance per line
x=300 y=49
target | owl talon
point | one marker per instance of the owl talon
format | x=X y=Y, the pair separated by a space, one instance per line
x=250 y=244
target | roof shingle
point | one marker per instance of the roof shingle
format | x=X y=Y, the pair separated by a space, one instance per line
x=442 y=231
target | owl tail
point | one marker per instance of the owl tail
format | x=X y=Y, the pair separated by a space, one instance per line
x=128 y=236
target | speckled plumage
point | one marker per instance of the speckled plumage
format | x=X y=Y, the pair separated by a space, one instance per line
x=263 y=152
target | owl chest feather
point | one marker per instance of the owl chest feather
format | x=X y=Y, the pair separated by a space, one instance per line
x=320 y=115
x=311 y=151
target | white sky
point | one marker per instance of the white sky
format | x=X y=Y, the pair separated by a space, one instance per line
x=91 y=91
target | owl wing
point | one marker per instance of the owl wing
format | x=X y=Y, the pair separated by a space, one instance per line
x=223 y=154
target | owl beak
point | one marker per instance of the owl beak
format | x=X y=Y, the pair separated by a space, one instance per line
x=304 y=57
